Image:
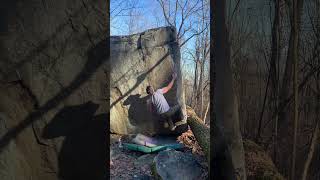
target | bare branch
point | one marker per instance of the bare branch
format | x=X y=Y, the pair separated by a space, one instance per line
x=164 y=12
x=233 y=12
x=182 y=21
x=186 y=29
x=175 y=12
x=195 y=34
x=116 y=7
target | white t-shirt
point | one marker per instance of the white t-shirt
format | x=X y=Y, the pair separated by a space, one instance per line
x=159 y=102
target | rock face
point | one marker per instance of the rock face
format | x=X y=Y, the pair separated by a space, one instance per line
x=144 y=160
x=139 y=60
x=53 y=89
x=171 y=164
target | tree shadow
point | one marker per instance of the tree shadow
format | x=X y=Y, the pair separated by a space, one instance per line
x=10 y=7
x=97 y=55
x=140 y=78
x=82 y=154
x=138 y=109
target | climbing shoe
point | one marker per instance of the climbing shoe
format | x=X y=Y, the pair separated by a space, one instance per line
x=172 y=128
x=179 y=123
x=165 y=125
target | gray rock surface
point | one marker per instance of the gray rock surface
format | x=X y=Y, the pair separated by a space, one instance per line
x=53 y=89
x=11 y=157
x=139 y=60
x=171 y=164
x=144 y=160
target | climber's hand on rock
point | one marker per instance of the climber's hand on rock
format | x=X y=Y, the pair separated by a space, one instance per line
x=174 y=75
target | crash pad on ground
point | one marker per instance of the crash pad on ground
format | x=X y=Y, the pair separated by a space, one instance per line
x=145 y=149
x=161 y=143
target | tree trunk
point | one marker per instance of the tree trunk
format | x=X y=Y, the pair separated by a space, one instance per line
x=195 y=84
x=205 y=114
x=224 y=169
x=275 y=55
x=227 y=115
x=200 y=89
x=295 y=29
x=293 y=41
x=285 y=92
x=288 y=86
x=315 y=134
x=311 y=151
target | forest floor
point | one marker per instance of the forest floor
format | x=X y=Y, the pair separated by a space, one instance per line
x=126 y=164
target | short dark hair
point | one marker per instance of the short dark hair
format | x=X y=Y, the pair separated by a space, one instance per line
x=148 y=89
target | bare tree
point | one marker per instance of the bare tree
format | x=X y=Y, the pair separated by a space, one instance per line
x=295 y=15
x=191 y=20
x=186 y=9
x=278 y=132
x=200 y=58
x=121 y=8
x=206 y=112
x=274 y=68
x=127 y=12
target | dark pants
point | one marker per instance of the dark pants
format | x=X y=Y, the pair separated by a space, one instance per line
x=168 y=116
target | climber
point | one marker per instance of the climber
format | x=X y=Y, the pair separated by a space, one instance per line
x=158 y=104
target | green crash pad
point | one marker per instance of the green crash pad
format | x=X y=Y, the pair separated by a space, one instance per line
x=160 y=142
x=145 y=149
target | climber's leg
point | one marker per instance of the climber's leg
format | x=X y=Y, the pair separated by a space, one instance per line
x=173 y=110
x=164 y=118
x=171 y=125
x=172 y=113
x=168 y=120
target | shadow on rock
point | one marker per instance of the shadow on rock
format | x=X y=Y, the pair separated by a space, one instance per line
x=82 y=154
x=140 y=116
x=138 y=109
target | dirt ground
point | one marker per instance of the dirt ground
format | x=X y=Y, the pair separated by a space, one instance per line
x=127 y=165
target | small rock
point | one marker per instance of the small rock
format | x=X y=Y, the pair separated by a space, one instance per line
x=172 y=164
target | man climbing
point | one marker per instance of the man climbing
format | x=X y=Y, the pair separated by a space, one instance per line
x=158 y=104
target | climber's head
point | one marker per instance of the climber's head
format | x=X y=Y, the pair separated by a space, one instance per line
x=150 y=90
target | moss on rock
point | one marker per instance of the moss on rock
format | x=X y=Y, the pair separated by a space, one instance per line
x=156 y=176
x=259 y=165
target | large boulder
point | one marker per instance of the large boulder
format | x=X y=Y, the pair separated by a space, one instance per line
x=172 y=164
x=139 y=60
x=53 y=89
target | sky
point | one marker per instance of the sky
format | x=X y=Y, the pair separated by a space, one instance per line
x=149 y=9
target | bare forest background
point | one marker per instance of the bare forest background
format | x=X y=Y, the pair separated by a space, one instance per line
x=275 y=60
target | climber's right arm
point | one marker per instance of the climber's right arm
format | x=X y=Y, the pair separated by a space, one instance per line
x=167 y=88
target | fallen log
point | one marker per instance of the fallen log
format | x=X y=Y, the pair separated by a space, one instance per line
x=200 y=131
